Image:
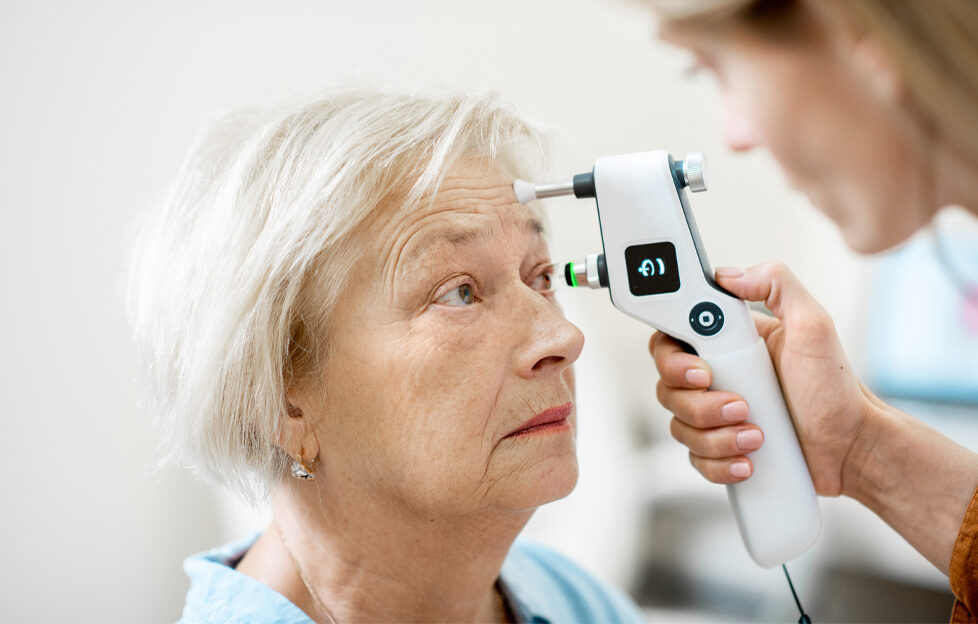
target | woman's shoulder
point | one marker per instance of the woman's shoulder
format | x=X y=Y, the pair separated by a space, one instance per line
x=219 y=594
x=545 y=586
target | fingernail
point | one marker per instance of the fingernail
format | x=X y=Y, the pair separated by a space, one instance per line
x=733 y=412
x=740 y=470
x=698 y=377
x=749 y=440
x=729 y=272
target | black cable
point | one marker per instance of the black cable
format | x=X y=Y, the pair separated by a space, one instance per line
x=804 y=619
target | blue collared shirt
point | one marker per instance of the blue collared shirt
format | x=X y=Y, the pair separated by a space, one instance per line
x=540 y=585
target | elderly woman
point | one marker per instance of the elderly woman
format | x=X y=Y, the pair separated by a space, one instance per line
x=345 y=309
x=871 y=108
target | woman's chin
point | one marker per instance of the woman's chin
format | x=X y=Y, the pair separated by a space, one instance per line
x=546 y=481
x=561 y=485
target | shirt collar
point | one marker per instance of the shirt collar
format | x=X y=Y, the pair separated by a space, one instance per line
x=526 y=604
x=219 y=593
x=213 y=581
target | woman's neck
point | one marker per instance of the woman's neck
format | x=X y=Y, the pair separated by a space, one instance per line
x=363 y=560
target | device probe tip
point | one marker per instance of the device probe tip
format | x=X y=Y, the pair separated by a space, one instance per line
x=525 y=191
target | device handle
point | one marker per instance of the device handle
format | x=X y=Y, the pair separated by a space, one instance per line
x=776 y=508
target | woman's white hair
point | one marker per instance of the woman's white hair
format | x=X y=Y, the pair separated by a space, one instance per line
x=233 y=279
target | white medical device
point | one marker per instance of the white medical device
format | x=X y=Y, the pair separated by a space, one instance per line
x=656 y=270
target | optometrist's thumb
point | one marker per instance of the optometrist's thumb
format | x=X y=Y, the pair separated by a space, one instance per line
x=773 y=284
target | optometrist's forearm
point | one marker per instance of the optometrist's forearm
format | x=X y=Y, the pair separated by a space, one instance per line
x=916 y=479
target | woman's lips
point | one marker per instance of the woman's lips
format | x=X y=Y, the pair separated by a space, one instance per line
x=552 y=419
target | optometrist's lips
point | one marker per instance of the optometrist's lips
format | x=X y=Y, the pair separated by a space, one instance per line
x=553 y=420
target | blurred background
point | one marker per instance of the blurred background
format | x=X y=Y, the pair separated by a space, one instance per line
x=101 y=100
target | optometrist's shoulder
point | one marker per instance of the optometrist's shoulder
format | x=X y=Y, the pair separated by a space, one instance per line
x=919 y=481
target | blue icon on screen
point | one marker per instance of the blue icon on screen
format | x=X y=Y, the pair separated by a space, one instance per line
x=648 y=267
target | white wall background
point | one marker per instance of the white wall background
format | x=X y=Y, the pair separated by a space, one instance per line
x=99 y=102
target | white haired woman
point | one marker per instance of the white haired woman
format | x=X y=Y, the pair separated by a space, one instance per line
x=871 y=108
x=345 y=308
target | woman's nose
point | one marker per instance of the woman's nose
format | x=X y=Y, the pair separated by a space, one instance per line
x=738 y=129
x=550 y=343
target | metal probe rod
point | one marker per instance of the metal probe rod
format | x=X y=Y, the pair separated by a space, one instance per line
x=554 y=189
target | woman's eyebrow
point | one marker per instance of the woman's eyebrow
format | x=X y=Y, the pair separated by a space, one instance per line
x=461 y=237
x=535 y=226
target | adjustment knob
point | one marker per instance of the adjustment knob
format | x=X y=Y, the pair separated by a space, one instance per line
x=694 y=171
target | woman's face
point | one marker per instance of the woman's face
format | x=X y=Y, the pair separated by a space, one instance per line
x=832 y=119
x=447 y=342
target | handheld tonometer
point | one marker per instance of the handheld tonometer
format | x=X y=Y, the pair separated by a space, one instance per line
x=656 y=270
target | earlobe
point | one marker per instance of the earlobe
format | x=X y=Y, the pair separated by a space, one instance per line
x=297 y=437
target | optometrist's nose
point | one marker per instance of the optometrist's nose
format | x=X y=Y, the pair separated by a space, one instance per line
x=738 y=129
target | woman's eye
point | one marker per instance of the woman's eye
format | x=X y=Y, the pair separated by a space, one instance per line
x=461 y=296
x=545 y=281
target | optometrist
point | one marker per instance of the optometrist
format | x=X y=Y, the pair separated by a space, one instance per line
x=871 y=108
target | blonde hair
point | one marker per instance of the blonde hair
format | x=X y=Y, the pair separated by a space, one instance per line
x=934 y=45
x=234 y=277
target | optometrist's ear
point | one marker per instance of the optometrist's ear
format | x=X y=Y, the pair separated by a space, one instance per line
x=877 y=70
x=869 y=61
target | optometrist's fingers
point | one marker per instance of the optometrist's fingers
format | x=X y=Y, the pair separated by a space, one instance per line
x=718 y=443
x=676 y=367
x=703 y=409
x=723 y=471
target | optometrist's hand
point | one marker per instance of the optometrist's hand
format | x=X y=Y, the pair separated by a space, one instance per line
x=827 y=401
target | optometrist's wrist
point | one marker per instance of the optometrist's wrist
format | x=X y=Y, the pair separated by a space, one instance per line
x=867 y=471
x=916 y=479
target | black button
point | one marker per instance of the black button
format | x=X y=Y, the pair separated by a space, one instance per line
x=652 y=269
x=706 y=318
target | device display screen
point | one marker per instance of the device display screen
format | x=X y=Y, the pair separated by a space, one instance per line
x=652 y=269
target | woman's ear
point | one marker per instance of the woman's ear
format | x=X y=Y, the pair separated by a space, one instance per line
x=297 y=435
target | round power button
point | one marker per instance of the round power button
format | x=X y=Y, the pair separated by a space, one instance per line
x=706 y=318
